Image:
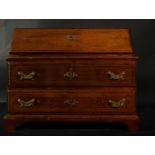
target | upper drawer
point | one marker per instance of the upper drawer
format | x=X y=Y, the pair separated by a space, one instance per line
x=71 y=73
x=71 y=41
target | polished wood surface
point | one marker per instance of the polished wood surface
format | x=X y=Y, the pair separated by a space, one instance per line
x=89 y=73
x=82 y=56
x=87 y=101
x=131 y=121
x=71 y=41
x=71 y=75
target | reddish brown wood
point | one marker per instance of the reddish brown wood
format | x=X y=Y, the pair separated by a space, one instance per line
x=71 y=40
x=132 y=125
x=13 y=120
x=89 y=101
x=90 y=53
x=10 y=123
x=82 y=56
x=89 y=73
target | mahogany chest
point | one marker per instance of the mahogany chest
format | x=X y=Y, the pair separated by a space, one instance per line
x=71 y=75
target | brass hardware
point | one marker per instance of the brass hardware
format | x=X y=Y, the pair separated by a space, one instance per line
x=70 y=74
x=26 y=103
x=21 y=54
x=71 y=102
x=29 y=76
x=71 y=37
x=117 y=104
x=5 y=117
x=114 y=76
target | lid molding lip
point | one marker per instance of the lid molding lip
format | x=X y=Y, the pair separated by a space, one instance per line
x=69 y=52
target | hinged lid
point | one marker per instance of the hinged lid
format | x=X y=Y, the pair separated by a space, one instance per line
x=56 y=40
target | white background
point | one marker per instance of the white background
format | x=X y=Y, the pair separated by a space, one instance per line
x=77 y=9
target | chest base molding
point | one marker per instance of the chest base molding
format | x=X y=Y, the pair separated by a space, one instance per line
x=14 y=120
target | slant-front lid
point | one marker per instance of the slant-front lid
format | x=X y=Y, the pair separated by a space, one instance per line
x=32 y=40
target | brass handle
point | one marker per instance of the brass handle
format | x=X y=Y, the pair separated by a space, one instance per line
x=117 y=104
x=71 y=37
x=29 y=76
x=70 y=74
x=71 y=102
x=26 y=103
x=114 y=76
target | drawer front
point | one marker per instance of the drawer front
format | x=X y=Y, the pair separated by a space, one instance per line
x=71 y=73
x=71 y=101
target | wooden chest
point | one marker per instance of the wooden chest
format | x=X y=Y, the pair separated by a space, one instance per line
x=71 y=75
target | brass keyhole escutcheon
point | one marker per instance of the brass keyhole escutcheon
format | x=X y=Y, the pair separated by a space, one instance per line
x=71 y=37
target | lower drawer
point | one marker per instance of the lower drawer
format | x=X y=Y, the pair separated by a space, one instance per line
x=72 y=101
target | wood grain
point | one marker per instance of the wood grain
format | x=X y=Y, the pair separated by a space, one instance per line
x=89 y=101
x=89 y=73
x=86 y=41
x=14 y=120
x=88 y=53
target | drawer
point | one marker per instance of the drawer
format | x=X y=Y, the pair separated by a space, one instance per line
x=71 y=73
x=72 y=101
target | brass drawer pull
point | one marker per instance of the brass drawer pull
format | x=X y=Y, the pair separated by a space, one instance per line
x=29 y=76
x=114 y=76
x=71 y=37
x=70 y=74
x=117 y=104
x=26 y=103
x=71 y=102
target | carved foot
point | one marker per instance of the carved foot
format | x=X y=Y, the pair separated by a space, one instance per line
x=132 y=125
x=10 y=123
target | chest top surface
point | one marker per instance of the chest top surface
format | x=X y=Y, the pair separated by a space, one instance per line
x=67 y=40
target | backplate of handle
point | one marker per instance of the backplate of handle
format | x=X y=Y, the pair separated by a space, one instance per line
x=114 y=76
x=28 y=103
x=117 y=104
x=30 y=76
